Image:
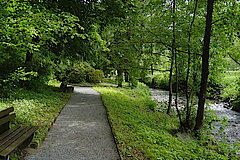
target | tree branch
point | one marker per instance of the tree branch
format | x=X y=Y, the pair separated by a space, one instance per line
x=233 y=58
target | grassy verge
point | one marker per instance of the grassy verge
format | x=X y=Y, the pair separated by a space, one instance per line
x=143 y=134
x=37 y=108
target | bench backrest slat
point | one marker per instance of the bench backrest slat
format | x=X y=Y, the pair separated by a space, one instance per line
x=5 y=118
x=6 y=112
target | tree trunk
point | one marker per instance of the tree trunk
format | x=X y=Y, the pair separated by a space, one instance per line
x=205 y=66
x=187 y=89
x=176 y=97
x=152 y=69
x=29 y=57
x=172 y=59
x=153 y=80
x=170 y=88
x=188 y=109
x=120 y=77
x=28 y=61
x=176 y=66
x=126 y=76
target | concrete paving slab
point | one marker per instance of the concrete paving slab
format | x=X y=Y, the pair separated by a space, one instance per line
x=81 y=132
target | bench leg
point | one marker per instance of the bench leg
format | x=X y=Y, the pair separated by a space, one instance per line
x=4 y=158
x=26 y=143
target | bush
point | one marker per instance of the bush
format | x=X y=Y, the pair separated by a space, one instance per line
x=231 y=85
x=76 y=76
x=96 y=76
x=236 y=104
x=78 y=73
x=61 y=71
x=15 y=80
x=162 y=81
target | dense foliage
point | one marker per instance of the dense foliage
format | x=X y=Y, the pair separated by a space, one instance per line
x=161 y=43
x=133 y=38
x=34 y=36
x=79 y=72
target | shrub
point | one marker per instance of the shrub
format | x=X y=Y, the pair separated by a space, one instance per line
x=236 y=104
x=78 y=73
x=231 y=85
x=77 y=76
x=160 y=79
x=96 y=76
x=15 y=80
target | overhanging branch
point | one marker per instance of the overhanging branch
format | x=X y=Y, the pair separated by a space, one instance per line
x=233 y=58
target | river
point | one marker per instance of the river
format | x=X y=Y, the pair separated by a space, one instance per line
x=231 y=131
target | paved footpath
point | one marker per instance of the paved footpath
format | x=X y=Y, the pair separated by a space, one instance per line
x=81 y=132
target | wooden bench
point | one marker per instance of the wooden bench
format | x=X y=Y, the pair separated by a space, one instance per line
x=65 y=88
x=13 y=138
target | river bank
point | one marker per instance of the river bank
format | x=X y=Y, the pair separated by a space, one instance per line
x=227 y=132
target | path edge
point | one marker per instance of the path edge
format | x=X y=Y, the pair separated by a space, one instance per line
x=29 y=150
x=111 y=126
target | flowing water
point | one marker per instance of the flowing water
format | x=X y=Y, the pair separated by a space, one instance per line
x=231 y=129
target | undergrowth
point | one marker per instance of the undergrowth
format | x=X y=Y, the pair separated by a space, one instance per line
x=38 y=107
x=144 y=134
x=231 y=88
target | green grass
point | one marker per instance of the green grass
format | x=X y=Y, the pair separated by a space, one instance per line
x=230 y=84
x=114 y=81
x=37 y=108
x=143 y=134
